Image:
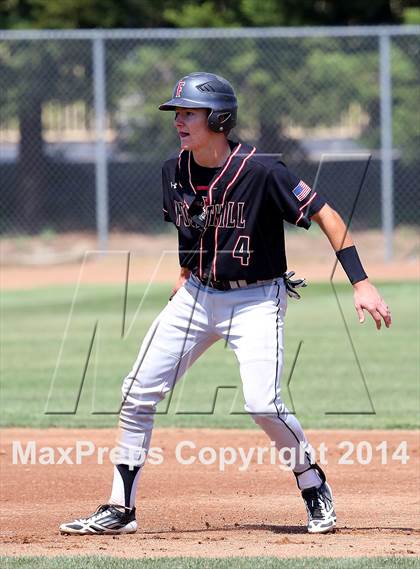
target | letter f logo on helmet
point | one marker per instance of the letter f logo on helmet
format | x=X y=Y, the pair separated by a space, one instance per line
x=179 y=88
x=201 y=90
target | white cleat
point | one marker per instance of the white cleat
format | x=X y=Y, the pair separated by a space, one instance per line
x=107 y=520
x=320 y=509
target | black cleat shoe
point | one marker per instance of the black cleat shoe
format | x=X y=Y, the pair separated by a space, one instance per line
x=320 y=508
x=107 y=520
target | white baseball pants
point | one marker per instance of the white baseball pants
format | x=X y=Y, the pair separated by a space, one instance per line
x=251 y=320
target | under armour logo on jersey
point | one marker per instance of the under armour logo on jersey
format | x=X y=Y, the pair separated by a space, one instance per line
x=174 y=185
x=179 y=88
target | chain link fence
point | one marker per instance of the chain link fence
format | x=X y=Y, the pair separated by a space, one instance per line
x=82 y=141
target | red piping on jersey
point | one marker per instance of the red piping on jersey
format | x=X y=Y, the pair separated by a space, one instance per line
x=210 y=198
x=200 y=259
x=247 y=157
x=237 y=173
x=304 y=205
x=179 y=166
x=189 y=172
x=226 y=166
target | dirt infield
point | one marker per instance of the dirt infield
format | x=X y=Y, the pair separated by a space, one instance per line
x=202 y=511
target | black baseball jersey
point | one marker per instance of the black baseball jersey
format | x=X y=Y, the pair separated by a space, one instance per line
x=230 y=219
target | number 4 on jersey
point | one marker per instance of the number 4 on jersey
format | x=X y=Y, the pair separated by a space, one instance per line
x=241 y=250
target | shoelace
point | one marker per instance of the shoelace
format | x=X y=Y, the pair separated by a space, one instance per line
x=97 y=515
x=315 y=507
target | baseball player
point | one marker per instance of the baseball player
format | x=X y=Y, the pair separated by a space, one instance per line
x=228 y=204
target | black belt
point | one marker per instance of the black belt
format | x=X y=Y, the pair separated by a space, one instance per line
x=229 y=285
x=291 y=285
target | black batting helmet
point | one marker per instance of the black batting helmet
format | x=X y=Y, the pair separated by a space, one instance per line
x=206 y=91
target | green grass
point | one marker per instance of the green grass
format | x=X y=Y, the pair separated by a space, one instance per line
x=326 y=377
x=190 y=563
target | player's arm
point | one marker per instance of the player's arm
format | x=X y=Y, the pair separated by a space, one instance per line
x=366 y=296
x=183 y=276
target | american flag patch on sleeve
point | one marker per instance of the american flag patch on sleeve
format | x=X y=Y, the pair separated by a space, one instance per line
x=302 y=190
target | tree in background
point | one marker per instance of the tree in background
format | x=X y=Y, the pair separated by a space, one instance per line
x=33 y=74
x=306 y=81
x=201 y=13
x=315 y=84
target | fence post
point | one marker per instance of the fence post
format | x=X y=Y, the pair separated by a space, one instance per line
x=387 y=180
x=101 y=172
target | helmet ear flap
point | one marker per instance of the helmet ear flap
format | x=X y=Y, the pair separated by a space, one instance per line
x=223 y=117
x=220 y=121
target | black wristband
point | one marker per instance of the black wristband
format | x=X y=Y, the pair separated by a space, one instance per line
x=350 y=261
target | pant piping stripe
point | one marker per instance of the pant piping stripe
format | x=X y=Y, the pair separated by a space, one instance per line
x=277 y=369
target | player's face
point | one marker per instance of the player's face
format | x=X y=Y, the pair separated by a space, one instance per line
x=192 y=128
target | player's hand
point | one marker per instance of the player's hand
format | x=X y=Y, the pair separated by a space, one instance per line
x=183 y=277
x=366 y=297
x=177 y=287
